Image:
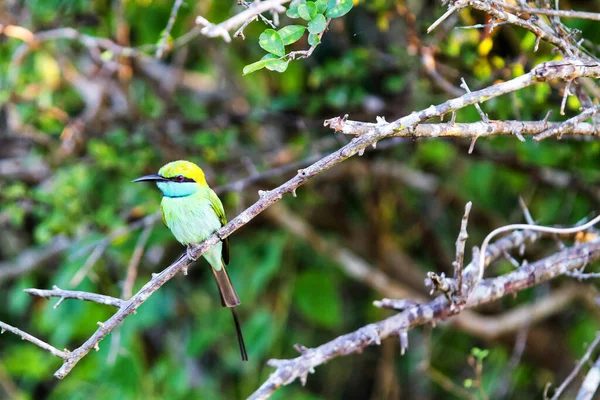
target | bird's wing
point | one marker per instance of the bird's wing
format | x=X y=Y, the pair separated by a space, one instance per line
x=162 y=214
x=217 y=206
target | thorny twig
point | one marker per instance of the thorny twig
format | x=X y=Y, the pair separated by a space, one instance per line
x=526 y=276
x=564 y=126
x=460 y=251
x=577 y=368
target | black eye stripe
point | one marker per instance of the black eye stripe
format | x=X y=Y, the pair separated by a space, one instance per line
x=179 y=180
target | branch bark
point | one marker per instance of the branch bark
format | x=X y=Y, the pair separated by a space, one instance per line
x=486 y=291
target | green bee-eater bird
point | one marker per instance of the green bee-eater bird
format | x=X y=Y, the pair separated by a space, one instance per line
x=193 y=212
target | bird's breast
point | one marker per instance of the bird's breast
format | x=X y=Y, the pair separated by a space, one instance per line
x=191 y=219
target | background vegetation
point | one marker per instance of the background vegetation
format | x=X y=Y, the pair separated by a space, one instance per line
x=76 y=126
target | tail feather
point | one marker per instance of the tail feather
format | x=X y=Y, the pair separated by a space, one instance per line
x=229 y=298
x=240 y=338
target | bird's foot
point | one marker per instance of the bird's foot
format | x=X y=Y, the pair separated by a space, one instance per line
x=188 y=251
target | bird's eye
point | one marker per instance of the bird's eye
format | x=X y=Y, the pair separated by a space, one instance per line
x=179 y=178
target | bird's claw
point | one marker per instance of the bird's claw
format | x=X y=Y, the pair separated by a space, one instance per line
x=188 y=251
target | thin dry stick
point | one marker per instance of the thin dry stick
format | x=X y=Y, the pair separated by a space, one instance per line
x=161 y=44
x=460 y=249
x=537 y=228
x=222 y=29
x=89 y=264
x=134 y=262
x=590 y=383
x=454 y=7
x=553 y=13
x=557 y=130
x=77 y=295
x=32 y=339
x=577 y=368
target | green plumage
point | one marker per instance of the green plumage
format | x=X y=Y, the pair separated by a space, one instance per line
x=195 y=217
x=193 y=212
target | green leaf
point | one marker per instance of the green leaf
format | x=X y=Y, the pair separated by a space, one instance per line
x=272 y=42
x=321 y=6
x=337 y=10
x=317 y=24
x=275 y=64
x=255 y=66
x=307 y=11
x=314 y=40
x=291 y=33
x=317 y=298
x=292 y=12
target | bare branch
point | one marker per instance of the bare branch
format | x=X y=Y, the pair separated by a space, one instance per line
x=132 y=268
x=591 y=382
x=460 y=250
x=566 y=69
x=454 y=7
x=32 y=339
x=553 y=13
x=564 y=126
x=576 y=370
x=537 y=228
x=73 y=294
x=222 y=29
x=489 y=290
x=163 y=39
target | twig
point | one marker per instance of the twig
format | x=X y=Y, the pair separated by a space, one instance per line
x=222 y=29
x=554 y=13
x=564 y=126
x=460 y=250
x=566 y=69
x=89 y=263
x=32 y=339
x=483 y=116
x=161 y=44
x=73 y=294
x=537 y=228
x=577 y=368
x=307 y=53
x=566 y=94
x=134 y=262
x=590 y=383
x=454 y=7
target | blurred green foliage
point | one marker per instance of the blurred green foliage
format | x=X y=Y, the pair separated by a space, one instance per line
x=180 y=344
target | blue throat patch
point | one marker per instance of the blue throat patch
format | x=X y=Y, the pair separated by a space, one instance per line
x=177 y=189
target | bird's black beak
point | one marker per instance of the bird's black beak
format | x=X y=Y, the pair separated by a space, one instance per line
x=150 y=178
